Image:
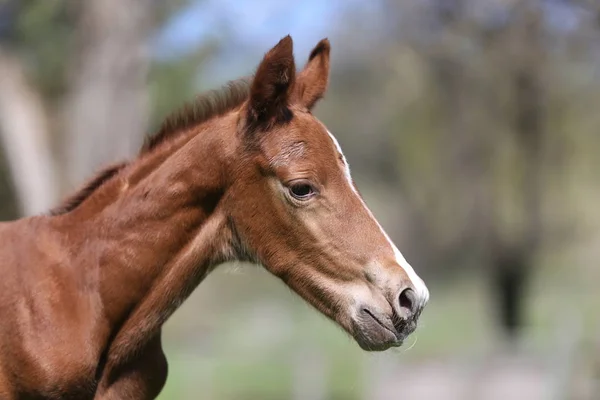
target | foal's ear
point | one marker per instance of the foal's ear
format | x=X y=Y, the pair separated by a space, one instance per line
x=312 y=81
x=272 y=84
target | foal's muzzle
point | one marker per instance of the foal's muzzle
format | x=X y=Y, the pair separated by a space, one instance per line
x=379 y=330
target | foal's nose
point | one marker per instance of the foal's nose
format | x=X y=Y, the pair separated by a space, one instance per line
x=410 y=304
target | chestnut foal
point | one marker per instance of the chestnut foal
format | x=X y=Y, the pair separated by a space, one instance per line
x=247 y=173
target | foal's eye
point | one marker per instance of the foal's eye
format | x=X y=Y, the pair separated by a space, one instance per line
x=301 y=190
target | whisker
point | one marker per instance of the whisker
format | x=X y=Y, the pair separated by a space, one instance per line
x=412 y=345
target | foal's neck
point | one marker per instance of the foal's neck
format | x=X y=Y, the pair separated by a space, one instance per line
x=162 y=234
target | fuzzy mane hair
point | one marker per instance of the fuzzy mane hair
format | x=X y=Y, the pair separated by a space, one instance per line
x=206 y=106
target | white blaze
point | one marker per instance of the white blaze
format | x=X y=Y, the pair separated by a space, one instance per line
x=418 y=284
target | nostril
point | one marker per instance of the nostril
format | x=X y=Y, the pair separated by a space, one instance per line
x=408 y=301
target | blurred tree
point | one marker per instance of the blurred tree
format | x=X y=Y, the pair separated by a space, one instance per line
x=512 y=256
x=74 y=90
x=23 y=122
x=8 y=203
x=106 y=108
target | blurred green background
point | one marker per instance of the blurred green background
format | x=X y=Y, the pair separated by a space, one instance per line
x=472 y=129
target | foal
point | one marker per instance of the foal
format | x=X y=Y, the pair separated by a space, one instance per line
x=247 y=174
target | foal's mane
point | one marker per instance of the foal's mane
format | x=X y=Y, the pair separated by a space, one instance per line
x=205 y=107
x=75 y=199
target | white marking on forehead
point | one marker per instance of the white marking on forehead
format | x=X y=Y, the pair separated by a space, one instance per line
x=419 y=286
x=339 y=149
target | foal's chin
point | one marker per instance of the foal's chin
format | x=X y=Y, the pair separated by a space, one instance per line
x=371 y=335
x=372 y=332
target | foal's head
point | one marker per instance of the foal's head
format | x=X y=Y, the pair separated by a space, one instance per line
x=294 y=208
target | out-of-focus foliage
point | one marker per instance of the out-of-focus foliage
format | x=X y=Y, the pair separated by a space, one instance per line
x=42 y=32
x=8 y=208
x=173 y=82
